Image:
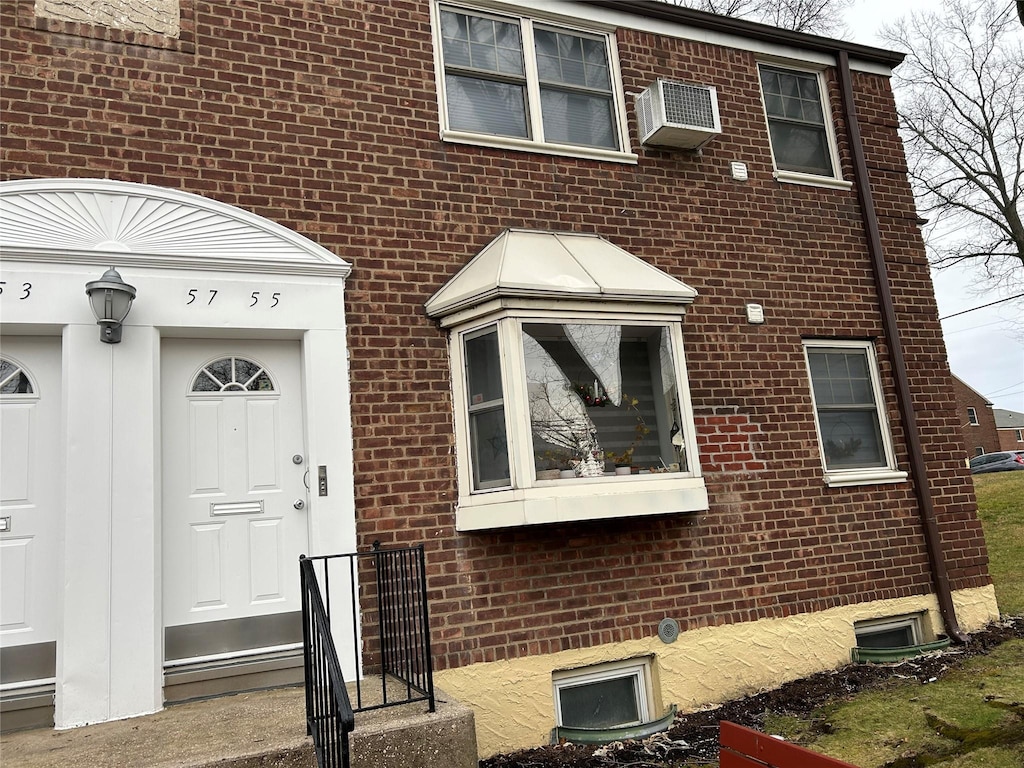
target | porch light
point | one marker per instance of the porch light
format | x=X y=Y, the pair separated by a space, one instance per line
x=111 y=299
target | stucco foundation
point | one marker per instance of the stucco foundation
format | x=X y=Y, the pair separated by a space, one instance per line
x=513 y=699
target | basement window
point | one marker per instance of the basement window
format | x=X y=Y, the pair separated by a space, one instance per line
x=604 y=696
x=890 y=632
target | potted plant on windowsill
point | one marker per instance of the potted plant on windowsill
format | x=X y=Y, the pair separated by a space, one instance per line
x=623 y=460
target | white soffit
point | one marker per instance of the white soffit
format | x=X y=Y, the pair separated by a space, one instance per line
x=101 y=221
x=556 y=265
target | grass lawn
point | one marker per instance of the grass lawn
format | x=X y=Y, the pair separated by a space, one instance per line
x=970 y=718
x=1001 y=509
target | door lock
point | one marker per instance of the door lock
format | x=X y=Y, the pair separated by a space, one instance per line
x=298 y=503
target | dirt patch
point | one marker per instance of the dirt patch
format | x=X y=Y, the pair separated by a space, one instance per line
x=693 y=738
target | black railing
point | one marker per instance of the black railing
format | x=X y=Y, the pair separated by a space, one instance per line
x=380 y=614
x=329 y=716
x=404 y=623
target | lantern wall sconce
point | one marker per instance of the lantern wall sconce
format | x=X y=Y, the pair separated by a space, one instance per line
x=111 y=299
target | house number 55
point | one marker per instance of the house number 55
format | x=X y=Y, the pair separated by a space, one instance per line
x=275 y=299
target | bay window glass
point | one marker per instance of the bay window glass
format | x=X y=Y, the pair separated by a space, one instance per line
x=510 y=77
x=487 y=433
x=602 y=395
x=796 y=121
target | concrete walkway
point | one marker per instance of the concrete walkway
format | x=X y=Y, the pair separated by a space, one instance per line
x=264 y=728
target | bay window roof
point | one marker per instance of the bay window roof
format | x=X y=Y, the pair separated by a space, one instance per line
x=531 y=264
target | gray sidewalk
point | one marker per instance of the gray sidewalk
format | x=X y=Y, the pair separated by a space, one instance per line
x=264 y=728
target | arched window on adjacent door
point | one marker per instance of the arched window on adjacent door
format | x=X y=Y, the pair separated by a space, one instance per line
x=14 y=380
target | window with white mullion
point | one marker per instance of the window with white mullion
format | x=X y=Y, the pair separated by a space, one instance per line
x=510 y=80
x=486 y=421
x=574 y=81
x=485 y=77
x=849 y=412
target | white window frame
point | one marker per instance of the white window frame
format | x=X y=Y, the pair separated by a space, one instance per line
x=972 y=417
x=836 y=180
x=529 y=501
x=638 y=670
x=889 y=623
x=622 y=154
x=865 y=475
x=1020 y=435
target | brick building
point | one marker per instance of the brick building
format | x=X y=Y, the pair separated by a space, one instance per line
x=1009 y=428
x=977 y=420
x=457 y=255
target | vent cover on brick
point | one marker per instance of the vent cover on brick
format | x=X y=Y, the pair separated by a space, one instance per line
x=673 y=114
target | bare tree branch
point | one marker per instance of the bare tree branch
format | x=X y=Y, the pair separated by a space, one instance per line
x=818 y=17
x=960 y=98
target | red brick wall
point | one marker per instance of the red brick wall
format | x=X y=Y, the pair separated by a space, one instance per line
x=323 y=117
x=982 y=435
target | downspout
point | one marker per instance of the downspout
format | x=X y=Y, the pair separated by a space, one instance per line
x=922 y=490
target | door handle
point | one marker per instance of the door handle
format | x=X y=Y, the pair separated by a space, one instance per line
x=298 y=503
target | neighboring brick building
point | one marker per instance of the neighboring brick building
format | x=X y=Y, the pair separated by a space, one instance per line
x=777 y=408
x=977 y=420
x=1010 y=429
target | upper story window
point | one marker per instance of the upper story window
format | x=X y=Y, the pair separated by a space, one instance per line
x=799 y=126
x=526 y=84
x=852 y=429
x=569 y=384
x=972 y=416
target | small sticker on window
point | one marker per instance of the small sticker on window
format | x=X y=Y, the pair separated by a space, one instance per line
x=477 y=399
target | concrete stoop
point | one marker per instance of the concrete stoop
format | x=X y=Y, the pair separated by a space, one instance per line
x=262 y=729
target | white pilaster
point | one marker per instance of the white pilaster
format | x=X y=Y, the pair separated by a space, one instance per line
x=83 y=647
x=109 y=653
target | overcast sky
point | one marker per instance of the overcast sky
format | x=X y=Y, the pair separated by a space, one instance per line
x=986 y=347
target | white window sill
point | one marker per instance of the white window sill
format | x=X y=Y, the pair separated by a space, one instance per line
x=525 y=145
x=812 y=180
x=567 y=501
x=872 y=476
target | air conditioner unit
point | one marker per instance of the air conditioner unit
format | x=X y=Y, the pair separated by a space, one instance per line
x=672 y=114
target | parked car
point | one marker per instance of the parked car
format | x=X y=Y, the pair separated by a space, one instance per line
x=1000 y=461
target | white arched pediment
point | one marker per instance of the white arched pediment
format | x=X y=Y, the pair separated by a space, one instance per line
x=91 y=220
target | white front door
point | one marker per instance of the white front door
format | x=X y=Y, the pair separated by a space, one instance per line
x=234 y=496
x=30 y=506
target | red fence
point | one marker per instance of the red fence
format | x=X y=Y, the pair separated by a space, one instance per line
x=745 y=748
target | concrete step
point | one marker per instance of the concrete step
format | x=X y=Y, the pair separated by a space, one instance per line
x=262 y=729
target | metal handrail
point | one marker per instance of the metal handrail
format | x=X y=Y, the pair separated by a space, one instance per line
x=394 y=633
x=329 y=715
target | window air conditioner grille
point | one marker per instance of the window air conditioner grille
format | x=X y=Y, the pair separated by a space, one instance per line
x=688 y=105
x=672 y=114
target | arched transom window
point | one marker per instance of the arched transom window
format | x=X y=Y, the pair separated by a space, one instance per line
x=232 y=374
x=14 y=379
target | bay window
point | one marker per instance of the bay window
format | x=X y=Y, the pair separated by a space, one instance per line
x=569 y=384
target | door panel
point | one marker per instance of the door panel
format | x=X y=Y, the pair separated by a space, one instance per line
x=231 y=533
x=31 y=476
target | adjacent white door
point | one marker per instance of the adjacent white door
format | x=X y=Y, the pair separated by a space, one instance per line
x=234 y=497
x=31 y=476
